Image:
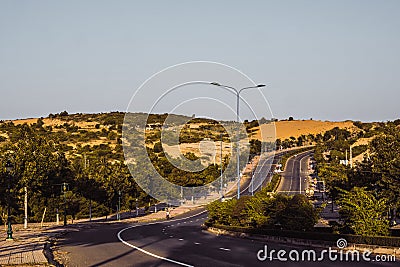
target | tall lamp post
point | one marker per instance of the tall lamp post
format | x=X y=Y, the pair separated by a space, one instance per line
x=237 y=92
x=9 y=167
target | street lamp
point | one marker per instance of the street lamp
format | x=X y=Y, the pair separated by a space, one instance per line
x=9 y=168
x=237 y=92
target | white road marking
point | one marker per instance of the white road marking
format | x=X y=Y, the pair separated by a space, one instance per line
x=149 y=253
x=171 y=236
x=196 y=243
x=180 y=239
x=226 y=249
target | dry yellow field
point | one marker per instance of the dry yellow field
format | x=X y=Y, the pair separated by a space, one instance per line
x=210 y=150
x=286 y=129
x=56 y=122
x=283 y=129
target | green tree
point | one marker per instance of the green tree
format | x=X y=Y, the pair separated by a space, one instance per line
x=158 y=147
x=221 y=212
x=298 y=214
x=363 y=213
x=385 y=158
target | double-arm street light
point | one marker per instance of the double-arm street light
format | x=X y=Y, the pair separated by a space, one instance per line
x=9 y=167
x=237 y=92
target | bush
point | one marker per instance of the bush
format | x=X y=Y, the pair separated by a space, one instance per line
x=112 y=135
x=157 y=147
x=64 y=113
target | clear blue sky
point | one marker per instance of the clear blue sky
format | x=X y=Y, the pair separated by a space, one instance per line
x=329 y=60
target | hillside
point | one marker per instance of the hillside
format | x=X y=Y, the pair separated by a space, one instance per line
x=296 y=128
x=85 y=151
x=100 y=134
x=284 y=129
x=93 y=130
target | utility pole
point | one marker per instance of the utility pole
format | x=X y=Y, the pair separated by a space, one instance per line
x=137 y=211
x=90 y=209
x=351 y=157
x=9 y=168
x=119 y=205
x=64 y=189
x=25 y=207
x=252 y=180
x=222 y=182
x=85 y=165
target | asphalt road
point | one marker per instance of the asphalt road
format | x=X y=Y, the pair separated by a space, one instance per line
x=182 y=242
x=178 y=242
x=263 y=174
x=294 y=178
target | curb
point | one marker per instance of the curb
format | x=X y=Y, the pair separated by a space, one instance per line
x=299 y=242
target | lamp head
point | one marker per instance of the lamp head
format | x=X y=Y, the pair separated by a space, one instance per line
x=215 y=83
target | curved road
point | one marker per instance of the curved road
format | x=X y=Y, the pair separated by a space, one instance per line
x=181 y=241
x=294 y=178
x=263 y=173
x=178 y=242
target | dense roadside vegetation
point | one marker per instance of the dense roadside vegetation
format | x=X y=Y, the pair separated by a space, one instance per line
x=266 y=209
x=42 y=162
x=368 y=193
x=263 y=210
x=85 y=151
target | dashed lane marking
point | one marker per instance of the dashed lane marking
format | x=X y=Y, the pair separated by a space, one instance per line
x=152 y=254
x=225 y=249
